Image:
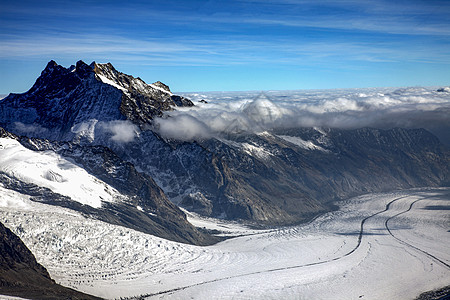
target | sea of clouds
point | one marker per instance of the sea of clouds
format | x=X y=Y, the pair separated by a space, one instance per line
x=238 y=112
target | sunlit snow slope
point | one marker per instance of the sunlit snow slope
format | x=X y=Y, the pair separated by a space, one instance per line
x=377 y=246
x=50 y=170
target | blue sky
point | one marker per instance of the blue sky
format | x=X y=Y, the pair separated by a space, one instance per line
x=232 y=45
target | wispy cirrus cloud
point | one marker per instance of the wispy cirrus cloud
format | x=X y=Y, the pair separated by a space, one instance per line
x=385 y=17
x=380 y=24
x=214 y=51
x=234 y=32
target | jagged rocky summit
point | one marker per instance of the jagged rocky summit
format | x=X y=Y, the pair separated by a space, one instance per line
x=84 y=94
x=275 y=177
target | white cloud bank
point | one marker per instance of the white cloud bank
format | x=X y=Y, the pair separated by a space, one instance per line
x=183 y=127
x=236 y=112
x=119 y=131
x=122 y=131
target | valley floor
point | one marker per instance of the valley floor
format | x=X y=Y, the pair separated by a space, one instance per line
x=377 y=246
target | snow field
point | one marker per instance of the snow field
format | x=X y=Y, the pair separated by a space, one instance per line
x=403 y=251
x=308 y=145
x=50 y=170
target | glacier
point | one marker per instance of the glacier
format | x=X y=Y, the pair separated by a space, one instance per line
x=376 y=246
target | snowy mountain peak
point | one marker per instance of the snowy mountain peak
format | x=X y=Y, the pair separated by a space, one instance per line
x=108 y=74
x=107 y=69
x=64 y=97
x=96 y=67
x=51 y=69
x=161 y=85
x=444 y=89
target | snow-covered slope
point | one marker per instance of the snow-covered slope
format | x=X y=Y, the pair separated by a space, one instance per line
x=308 y=145
x=50 y=170
x=94 y=181
x=377 y=246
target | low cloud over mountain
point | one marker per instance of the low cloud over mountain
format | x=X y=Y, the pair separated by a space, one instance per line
x=345 y=109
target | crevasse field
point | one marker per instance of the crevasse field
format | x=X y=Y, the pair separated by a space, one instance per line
x=377 y=246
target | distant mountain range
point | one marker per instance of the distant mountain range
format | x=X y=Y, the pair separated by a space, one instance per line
x=103 y=120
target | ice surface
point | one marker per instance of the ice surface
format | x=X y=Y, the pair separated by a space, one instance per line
x=160 y=89
x=377 y=246
x=225 y=227
x=50 y=170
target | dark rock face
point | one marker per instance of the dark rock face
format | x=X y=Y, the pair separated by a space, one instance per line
x=197 y=202
x=141 y=102
x=14 y=252
x=440 y=294
x=22 y=276
x=349 y=162
x=59 y=99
